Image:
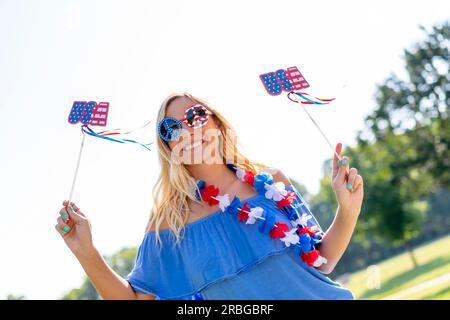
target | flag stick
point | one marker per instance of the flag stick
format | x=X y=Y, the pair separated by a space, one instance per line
x=325 y=137
x=76 y=173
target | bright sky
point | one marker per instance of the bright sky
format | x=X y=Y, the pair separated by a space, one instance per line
x=133 y=54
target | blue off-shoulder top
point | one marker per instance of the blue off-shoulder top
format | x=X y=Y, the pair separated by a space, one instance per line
x=222 y=258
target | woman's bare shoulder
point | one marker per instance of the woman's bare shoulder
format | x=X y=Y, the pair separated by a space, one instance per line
x=278 y=175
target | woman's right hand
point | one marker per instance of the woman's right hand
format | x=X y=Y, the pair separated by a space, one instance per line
x=75 y=229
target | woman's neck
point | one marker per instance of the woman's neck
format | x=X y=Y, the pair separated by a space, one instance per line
x=215 y=174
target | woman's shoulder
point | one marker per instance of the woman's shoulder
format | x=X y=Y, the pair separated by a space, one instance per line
x=277 y=174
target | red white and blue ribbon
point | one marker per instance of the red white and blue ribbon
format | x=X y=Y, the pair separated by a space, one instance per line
x=106 y=136
x=304 y=98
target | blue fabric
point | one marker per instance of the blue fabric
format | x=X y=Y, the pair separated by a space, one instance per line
x=221 y=258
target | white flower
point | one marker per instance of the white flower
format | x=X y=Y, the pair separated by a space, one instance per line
x=290 y=237
x=320 y=260
x=275 y=191
x=224 y=201
x=255 y=213
x=302 y=221
x=240 y=173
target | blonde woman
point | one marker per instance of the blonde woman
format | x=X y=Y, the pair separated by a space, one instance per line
x=222 y=226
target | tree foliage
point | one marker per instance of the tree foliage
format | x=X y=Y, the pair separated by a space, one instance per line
x=403 y=153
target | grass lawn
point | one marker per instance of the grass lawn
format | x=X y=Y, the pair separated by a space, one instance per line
x=398 y=273
x=440 y=292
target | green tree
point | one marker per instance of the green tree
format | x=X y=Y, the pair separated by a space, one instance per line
x=411 y=136
x=403 y=153
x=418 y=105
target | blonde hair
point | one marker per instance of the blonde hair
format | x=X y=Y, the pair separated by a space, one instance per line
x=175 y=184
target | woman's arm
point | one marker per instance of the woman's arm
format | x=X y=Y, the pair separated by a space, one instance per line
x=349 y=193
x=336 y=239
x=109 y=284
x=75 y=229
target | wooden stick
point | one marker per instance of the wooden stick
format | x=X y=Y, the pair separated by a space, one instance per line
x=76 y=173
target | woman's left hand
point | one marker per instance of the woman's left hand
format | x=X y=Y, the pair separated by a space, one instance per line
x=347 y=185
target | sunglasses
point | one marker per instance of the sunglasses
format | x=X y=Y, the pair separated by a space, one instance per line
x=196 y=116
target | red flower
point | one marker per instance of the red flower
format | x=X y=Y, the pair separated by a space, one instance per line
x=287 y=199
x=209 y=192
x=249 y=177
x=310 y=257
x=278 y=230
x=308 y=230
x=243 y=216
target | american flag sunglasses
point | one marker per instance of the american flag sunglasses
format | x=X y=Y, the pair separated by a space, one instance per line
x=196 y=116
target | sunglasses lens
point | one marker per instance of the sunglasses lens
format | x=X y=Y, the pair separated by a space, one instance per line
x=190 y=116
x=169 y=129
x=200 y=112
x=196 y=116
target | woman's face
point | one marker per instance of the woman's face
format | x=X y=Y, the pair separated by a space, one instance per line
x=192 y=143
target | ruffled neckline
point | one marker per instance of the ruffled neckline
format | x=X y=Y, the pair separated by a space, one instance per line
x=210 y=216
x=214 y=248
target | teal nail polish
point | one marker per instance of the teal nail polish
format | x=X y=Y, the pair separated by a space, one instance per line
x=345 y=161
x=339 y=163
x=63 y=232
x=64 y=216
x=350 y=186
x=66 y=229
x=70 y=207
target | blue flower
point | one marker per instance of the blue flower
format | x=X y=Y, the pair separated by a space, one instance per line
x=266 y=225
x=200 y=185
x=233 y=207
x=305 y=242
x=315 y=241
x=317 y=238
x=260 y=182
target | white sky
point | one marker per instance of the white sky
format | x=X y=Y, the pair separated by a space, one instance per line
x=133 y=54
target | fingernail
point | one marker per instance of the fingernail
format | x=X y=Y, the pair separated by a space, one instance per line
x=339 y=163
x=66 y=229
x=350 y=186
x=70 y=207
x=63 y=232
x=64 y=216
x=345 y=161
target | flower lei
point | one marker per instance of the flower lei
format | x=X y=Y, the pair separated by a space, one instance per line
x=303 y=238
